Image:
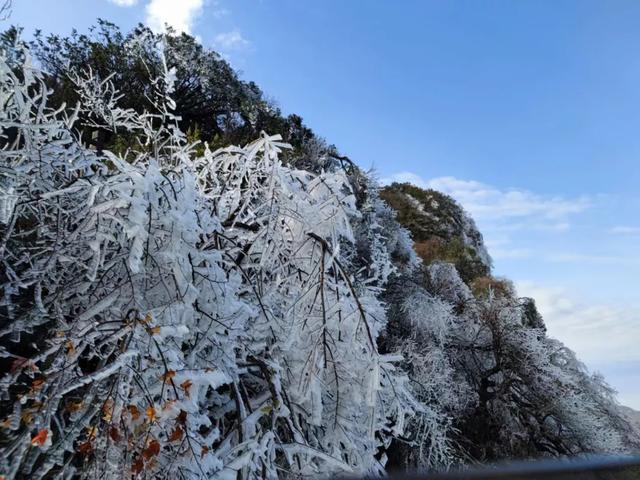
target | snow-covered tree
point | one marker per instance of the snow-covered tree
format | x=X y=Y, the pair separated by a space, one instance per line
x=494 y=385
x=175 y=314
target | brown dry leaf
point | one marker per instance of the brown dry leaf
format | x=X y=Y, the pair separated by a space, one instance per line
x=75 y=406
x=114 y=433
x=152 y=449
x=168 y=404
x=133 y=411
x=107 y=410
x=151 y=413
x=85 y=449
x=26 y=416
x=6 y=424
x=18 y=364
x=40 y=438
x=92 y=432
x=204 y=451
x=36 y=384
x=154 y=330
x=182 y=417
x=186 y=385
x=70 y=347
x=176 y=434
x=168 y=375
x=137 y=466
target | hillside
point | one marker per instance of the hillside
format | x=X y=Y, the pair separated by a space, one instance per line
x=633 y=416
x=195 y=285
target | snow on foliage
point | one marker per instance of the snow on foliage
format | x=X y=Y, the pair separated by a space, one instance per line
x=173 y=311
x=491 y=386
x=180 y=315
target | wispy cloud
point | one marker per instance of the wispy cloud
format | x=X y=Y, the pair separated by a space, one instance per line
x=594 y=331
x=506 y=208
x=178 y=14
x=605 y=337
x=230 y=41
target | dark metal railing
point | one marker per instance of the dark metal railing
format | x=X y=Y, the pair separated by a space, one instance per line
x=586 y=468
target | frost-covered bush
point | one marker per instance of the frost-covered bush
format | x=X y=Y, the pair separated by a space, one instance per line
x=168 y=314
x=490 y=384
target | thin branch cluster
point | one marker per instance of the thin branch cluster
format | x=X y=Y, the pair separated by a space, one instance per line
x=173 y=315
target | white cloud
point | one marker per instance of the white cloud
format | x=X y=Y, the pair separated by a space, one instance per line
x=595 y=332
x=604 y=337
x=510 y=209
x=230 y=41
x=124 y=3
x=485 y=202
x=178 y=14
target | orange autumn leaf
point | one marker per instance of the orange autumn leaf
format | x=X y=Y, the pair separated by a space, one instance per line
x=176 y=434
x=152 y=450
x=151 y=414
x=40 y=438
x=186 y=385
x=168 y=375
x=92 y=432
x=137 y=466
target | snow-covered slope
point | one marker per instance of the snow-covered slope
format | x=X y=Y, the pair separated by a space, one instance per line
x=633 y=416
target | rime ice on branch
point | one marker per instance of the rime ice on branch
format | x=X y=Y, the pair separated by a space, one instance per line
x=175 y=314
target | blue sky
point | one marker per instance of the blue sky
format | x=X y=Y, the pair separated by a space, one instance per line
x=527 y=112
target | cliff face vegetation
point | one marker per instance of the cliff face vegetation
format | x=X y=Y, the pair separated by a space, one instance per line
x=497 y=386
x=187 y=296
